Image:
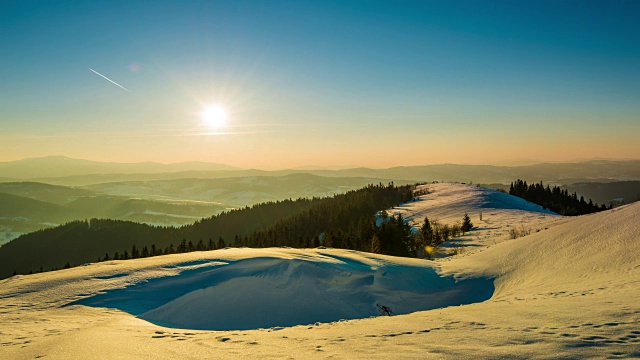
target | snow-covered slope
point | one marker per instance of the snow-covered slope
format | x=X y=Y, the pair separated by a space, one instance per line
x=260 y=288
x=567 y=291
x=447 y=203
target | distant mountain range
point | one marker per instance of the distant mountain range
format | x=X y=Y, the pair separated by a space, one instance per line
x=61 y=166
x=74 y=172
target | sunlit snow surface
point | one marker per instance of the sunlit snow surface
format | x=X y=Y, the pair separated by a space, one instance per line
x=296 y=287
x=569 y=290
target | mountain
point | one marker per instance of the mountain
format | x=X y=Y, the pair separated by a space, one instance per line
x=60 y=166
x=44 y=192
x=28 y=206
x=562 y=173
x=73 y=172
x=237 y=191
x=619 y=192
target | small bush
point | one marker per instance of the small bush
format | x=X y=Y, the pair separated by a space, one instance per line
x=515 y=233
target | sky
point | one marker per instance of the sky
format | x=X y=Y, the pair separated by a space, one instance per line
x=327 y=83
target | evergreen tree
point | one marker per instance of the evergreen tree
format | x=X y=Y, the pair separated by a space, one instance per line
x=554 y=199
x=375 y=244
x=466 y=224
x=426 y=232
x=182 y=248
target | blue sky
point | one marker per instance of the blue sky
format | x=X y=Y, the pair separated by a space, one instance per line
x=341 y=82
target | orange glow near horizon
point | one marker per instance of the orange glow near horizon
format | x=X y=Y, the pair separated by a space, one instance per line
x=304 y=146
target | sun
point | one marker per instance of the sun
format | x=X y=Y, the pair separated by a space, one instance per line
x=214 y=117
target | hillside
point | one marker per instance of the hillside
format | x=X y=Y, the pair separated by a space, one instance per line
x=236 y=191
x=20 y=215
x=161 y=202
x=12 y=206
x=567 y=291
x=264 y=224
x=619 y=192
x=28 y=206
x=55 y=194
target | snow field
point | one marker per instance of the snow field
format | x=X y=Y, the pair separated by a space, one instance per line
x=570 y=290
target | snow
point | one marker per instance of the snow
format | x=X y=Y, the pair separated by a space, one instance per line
x=286 y=287
x=447 y=203
x=569 y=290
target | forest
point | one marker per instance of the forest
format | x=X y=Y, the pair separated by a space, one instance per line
x=554 y=199
x=335 y=221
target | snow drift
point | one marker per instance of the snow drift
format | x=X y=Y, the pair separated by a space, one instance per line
x=290 y=288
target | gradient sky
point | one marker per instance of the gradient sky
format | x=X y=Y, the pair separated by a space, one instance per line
x=366 y=83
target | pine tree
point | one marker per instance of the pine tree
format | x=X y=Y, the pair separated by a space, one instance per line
x=375 y=244
x=426 y=232
x=466 y=224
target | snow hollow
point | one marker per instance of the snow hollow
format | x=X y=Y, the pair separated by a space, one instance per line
x=263 y=288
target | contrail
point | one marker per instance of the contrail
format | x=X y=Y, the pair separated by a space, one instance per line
x=113 y=82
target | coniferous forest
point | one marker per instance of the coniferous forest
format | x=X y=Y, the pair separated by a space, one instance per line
x=554 y=199
x=343 y=221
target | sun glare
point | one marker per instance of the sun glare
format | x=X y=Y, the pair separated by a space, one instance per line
x=214 y=117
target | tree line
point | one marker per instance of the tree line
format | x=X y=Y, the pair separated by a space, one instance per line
x=338 y=221
x=344 y=221
x=394 y=236
x=554 y=199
